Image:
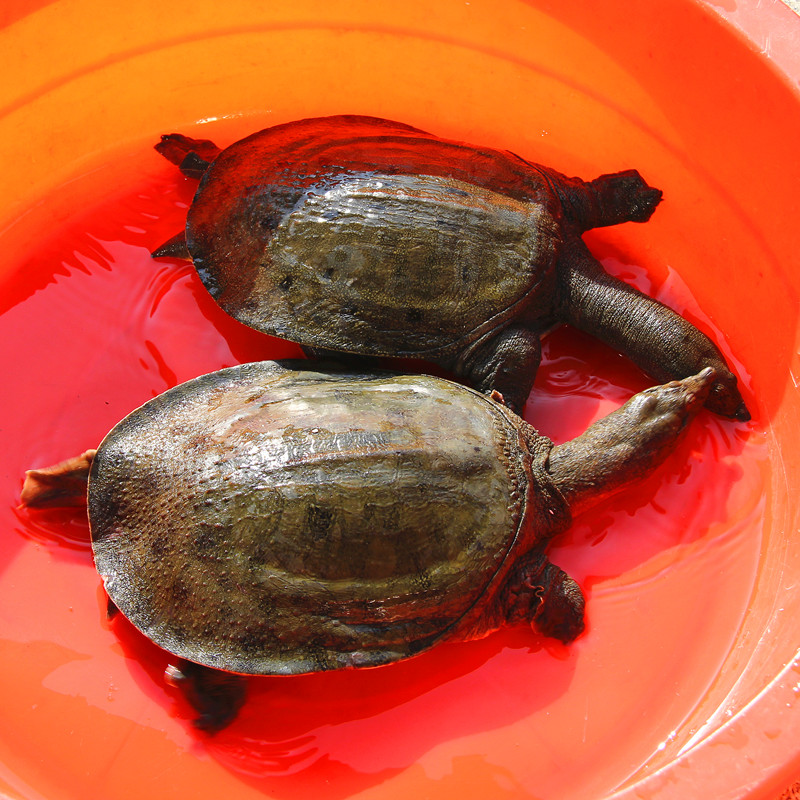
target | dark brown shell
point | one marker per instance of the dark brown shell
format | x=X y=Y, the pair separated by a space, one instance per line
x=267 y=520
x=369 y=236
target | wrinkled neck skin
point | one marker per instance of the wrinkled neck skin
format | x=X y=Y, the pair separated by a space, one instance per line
x=579 y=205
x=629 y=444
x=599 y=464
x=606 y=200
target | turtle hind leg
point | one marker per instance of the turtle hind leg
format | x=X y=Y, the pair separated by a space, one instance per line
x=543 y=595
x=192 y=156
x=217 y=696
x=61 y=486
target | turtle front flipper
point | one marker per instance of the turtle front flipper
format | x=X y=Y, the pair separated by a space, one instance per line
x=506 y=363
x=560 y=613
x=660 y=341
x=543 y=595
x=216 y=696
x=60 y=486
x=192 y=156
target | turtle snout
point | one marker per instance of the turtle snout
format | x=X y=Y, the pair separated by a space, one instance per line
x=717 y=388
x=725 y=399
x=677 y=398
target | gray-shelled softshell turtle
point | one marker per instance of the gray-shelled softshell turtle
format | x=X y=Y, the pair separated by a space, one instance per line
x=269 y=519
x=360 y=235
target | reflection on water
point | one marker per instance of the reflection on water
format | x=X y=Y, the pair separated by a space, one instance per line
x=102 y=328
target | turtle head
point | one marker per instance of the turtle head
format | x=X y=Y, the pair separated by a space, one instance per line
x=724 y=397
x=546 y=597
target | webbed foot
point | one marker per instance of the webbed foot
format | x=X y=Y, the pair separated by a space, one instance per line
x=217 y=696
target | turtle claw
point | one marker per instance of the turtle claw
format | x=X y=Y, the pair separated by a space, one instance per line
x=111 y=609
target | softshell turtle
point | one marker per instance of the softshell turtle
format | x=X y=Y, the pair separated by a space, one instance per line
x=360 y=235
x=269 y=519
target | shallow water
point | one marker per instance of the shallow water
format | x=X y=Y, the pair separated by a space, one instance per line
x=94 y=327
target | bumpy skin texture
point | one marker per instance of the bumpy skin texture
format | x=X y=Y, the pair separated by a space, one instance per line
x=360 y=235
x=264 y=520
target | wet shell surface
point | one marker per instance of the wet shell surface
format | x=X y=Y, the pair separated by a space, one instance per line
x=365 y=235
x=269 y=520
x=404 y=265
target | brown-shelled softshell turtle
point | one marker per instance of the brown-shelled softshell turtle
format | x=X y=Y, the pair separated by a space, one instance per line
x=361 y=235
x=270 y=519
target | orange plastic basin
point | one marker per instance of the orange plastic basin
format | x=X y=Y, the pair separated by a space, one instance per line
x=686 y=683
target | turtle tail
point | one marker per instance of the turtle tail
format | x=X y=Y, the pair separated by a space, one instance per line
x=60 y=486
x=174 y=247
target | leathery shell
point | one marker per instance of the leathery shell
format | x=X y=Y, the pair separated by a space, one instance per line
x=403 y=265
x=269 y=520
x=365 y=235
